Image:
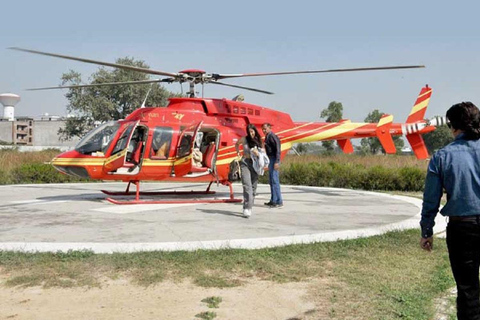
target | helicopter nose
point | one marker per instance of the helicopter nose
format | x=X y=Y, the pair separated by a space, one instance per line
x=75 y=164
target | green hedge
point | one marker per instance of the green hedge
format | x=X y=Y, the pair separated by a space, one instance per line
x=331 y=174
x=35 y=173
x=351 y=176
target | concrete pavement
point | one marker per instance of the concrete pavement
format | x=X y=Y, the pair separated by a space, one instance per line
x=60 y=217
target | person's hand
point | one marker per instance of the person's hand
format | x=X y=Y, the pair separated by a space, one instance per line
x=276 y=166
x=426 y=243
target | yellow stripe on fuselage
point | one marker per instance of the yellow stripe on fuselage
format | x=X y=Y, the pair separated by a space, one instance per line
x=294 y=128
x=280 y=132
x=327 y=134
x=338 y=130
x=77 y=162
x=226 y=161
x=183 y=160
x=158 y=163
x=116 y=156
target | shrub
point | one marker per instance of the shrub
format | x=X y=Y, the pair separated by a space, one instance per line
x=39 y=173
x=413 y=179
x=352 y=175
x=4 y=177
x=380 y=178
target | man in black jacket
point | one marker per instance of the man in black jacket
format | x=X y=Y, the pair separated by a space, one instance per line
x=273 y=148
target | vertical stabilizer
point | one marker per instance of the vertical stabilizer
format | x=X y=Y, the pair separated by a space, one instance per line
x=418 y=114
x=420 y=106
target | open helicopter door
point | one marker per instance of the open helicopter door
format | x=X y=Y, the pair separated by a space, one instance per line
x=127 y=150
x=183 y=157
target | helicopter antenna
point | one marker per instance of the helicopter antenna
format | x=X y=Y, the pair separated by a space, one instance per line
x=148 y=92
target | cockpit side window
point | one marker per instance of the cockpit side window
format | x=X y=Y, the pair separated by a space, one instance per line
x=99 y=139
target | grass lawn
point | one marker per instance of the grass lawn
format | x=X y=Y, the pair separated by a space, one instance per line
x=382 y=277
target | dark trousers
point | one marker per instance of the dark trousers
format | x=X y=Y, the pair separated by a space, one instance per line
x=463 y=241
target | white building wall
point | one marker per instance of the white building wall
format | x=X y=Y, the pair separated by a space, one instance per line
x=45 y=134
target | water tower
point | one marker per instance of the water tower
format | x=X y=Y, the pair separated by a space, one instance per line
x=9 y=100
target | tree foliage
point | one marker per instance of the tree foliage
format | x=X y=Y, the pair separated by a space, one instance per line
x=437 y=139
x=333 y=113
x=373 y=145
x=301 y=148
x=91 y=105
x=308 y=148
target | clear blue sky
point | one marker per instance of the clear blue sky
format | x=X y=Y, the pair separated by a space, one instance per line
x=255 y=36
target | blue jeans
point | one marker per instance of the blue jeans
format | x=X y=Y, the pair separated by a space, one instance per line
x=274 y=180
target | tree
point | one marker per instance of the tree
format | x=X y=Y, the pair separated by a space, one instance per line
x=333 y=113
x=437 y=139
x=91 y=105
x=373 y=145
x=301 y=148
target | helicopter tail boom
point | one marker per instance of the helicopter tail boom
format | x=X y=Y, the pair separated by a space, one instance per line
x=384 y=130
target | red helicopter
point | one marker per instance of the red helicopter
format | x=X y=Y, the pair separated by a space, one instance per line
x=192 y=139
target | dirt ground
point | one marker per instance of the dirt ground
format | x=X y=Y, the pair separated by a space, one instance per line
x=120 y=299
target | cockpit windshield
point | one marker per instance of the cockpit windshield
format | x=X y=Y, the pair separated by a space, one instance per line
x=99 y=139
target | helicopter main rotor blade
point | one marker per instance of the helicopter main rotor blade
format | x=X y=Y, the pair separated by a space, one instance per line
x=240 y=87
x=225 y=76
x=102 y=84
x=108 y=64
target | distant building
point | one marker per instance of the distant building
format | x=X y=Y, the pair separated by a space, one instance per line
x=28 y=133
x=407 y=150
x=35 y=134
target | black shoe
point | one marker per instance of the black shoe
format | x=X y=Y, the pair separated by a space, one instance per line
x=276 y=205
x=269 y=203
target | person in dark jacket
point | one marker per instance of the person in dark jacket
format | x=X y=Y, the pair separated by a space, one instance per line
x=273 y=148
x=456 y=169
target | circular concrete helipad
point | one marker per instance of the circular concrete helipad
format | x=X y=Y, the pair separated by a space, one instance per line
x=76 y=216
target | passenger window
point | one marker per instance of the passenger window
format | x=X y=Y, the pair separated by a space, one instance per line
x=161 y=142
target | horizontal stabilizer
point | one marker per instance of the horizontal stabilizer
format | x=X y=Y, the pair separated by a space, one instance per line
x=418 y=145
x=383 y=133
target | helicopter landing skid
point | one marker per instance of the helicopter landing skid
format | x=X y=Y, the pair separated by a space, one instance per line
x=154 y=193
x=138 y=193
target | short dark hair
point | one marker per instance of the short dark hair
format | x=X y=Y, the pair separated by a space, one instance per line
x=465 y=116
x=267 y=124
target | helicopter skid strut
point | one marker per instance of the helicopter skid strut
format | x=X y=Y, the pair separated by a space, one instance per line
x=137 y=194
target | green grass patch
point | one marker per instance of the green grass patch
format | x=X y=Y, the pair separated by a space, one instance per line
x=212 y=302
x=207 y=315
x=212 y=281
